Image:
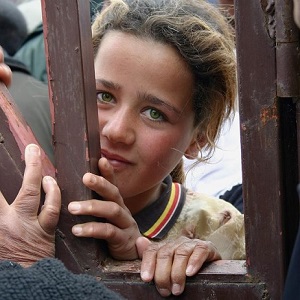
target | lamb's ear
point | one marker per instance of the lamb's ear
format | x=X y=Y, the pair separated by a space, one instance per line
x=197 y=143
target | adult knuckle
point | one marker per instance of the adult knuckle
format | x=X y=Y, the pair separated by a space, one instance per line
x=52 y=211
x=31 y=190
x=183 y=239
x=34 y=163
x=177 y=277
x=165 y=253
x=182 y=250
x=152 y=248
x=204 y=246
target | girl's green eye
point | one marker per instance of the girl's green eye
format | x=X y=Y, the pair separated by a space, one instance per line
x=104 y=97
x=154 y=114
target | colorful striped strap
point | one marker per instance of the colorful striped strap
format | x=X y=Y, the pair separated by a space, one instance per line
x=156 y=220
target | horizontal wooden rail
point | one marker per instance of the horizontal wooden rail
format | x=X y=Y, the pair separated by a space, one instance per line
x=223 y=279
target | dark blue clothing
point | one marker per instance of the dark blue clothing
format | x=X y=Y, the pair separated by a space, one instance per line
x=49 y=279
x=292 y=284
x=235 y=197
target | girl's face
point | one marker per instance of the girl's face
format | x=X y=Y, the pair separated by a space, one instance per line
x=144 y=93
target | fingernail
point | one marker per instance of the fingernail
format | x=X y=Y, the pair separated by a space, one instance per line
x=93 y=179
x=164 y=292
x=107 y=164
x=189 y=271
x=145 y=276
x=33 y=149
x=176 y=289
x=77 y=230
x=74 y=206
x=6 y=68
x=49 y=179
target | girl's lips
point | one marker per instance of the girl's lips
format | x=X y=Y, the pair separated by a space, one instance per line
x=115 y=160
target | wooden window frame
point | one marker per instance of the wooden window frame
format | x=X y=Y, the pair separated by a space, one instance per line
x=267 y=39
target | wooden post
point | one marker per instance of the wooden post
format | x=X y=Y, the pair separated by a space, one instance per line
x=72 y=92
x=268 y=134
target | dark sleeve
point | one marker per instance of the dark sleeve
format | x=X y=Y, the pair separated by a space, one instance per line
x=235 y=197
x=49 y=279
x=292 y=286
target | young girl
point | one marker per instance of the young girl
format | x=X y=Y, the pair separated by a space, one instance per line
x=165 y=79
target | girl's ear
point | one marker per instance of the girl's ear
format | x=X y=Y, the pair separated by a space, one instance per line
x=197 y=143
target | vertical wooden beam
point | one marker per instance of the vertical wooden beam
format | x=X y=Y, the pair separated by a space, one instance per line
x=265 y=134
x=69 y=53
x=288 y=91
x=259 y=115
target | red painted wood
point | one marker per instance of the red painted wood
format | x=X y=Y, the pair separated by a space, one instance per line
x=269 y=145
x=72 y=92
x=15 y=134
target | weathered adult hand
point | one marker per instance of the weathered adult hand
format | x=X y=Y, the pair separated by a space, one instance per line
x=168 y=263
x=25 y=235
x=5 y=72
x=120 y=231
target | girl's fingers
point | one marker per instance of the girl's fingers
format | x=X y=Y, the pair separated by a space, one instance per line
x=104 y=188
x=108 y=210
x=121 y=243
x=106 y=170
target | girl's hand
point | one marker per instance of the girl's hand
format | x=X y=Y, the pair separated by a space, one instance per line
x=120 y=231
x=5 y=72
x=168 y=263
x=25 y=235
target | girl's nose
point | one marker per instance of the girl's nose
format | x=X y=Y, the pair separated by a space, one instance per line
x=118 y=128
